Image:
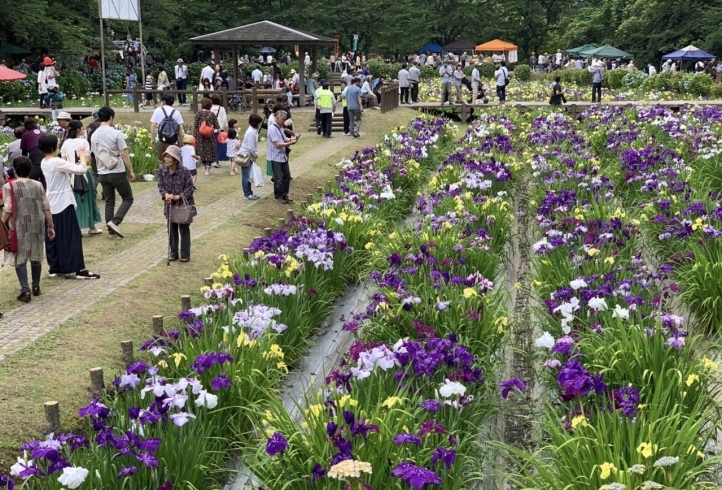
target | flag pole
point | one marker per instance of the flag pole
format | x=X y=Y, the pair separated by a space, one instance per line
x=142 y=46
x=102 y=54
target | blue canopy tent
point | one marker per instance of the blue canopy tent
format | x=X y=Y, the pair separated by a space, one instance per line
x=431 y=48
x=690 y=53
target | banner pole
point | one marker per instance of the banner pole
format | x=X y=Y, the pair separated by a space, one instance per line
x=102 y=54
x=142 y=46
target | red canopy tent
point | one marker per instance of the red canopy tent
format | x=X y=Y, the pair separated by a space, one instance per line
x=8 y=75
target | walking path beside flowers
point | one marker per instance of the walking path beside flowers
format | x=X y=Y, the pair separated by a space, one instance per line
x=23 y=325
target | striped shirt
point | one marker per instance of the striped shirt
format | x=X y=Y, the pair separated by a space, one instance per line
x=275 y=134
x=149 y=82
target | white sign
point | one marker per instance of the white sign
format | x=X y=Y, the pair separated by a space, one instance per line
x=355 y=37
x=120 y=9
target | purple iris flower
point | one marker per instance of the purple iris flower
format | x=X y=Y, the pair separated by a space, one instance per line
x=363 y=428
x=317 y=473
x=448 y=456
x=221 y=382
x=349 y=417
x=431 y=405
x=627 y=400
x=406 y=439
x=205 y=361
x=331 y=429
x=148 y=460
x=276 y=444
x=510 y=384
x=95 y=409
x=416 y=476
x=127 y=471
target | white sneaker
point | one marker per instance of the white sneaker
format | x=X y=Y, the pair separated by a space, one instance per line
x=115 y=228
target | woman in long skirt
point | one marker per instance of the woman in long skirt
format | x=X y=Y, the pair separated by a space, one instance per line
x=65 y=252
x=75 y=149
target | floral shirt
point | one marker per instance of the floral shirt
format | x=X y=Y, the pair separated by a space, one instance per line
x=178 y=183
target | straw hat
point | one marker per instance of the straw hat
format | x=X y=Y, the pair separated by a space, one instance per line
x=64 y=116
x=174 y=152
x=188 y=139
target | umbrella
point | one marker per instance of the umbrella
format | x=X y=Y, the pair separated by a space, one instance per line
x=690 y=53
x=267 y=50
x=431 y=48
x=460 y=46
x=606 y=51
x=12 y=49
x=8 y=75
x=579 y=49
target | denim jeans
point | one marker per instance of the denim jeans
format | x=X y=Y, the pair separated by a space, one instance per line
x=21 y=270
x=111 y=183
x=246 y=181
x=501 y=92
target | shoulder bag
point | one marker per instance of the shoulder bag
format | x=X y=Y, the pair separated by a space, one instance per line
x=8 y=237
x=243 y=160
x=182 y=214
x=80 y=183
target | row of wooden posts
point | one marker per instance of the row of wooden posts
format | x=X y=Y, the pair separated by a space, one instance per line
x=97 y=380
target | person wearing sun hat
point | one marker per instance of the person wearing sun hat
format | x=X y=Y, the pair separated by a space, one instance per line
x=49 y=75
x=597 y=71
x=175 y=185
x=181 y=80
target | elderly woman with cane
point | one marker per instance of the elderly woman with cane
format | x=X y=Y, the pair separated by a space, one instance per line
x=175 y=185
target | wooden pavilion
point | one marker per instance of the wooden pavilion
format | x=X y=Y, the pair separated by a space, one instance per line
x=266 y=33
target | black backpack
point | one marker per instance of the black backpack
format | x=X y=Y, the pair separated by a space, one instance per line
x=168 y=128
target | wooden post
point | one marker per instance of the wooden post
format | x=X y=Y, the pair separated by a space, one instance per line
x=314 y=58
x=254 y=99
x=301 y=77
x=216 y=55
x=194 y=99
x=281 y=222
x=225 y=100
x=97 y=384
x=267 y=232
x=126 y=349
x=289 y=215
x=185 y=302
x=158 y=325
x=235 y=65
x=246 y=253
x=136 y=98
x=208 y=281
x=52 y=416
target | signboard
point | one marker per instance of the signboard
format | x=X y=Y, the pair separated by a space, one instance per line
x=120 y=9
x=355 y=43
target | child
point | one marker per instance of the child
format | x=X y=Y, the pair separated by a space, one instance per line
x=175 y=185
x=233 y=146
x=190 y=158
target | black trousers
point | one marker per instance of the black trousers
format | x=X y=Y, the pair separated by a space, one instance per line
x=597 y=92
x=181 y=84
x=414 y=91
x=404 y=95
x=317 y=119
x=281 y=179
x=346 y=121
x=185 y=241
x=326 y=122
x=501 y=92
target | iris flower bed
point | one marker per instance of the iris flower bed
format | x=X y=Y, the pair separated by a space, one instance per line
x=631 y=391
x=173 y=420
x=405 y=406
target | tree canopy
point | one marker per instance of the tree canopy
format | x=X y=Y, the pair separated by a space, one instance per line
x=646 y=28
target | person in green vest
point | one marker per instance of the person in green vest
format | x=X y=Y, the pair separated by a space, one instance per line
x=344 y=104
x=326 y=106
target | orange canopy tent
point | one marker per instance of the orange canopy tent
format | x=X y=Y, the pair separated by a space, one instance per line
x=497 y=45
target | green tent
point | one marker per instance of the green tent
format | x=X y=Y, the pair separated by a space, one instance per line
x=606 y=52
x=12 y=49
x=579 y=49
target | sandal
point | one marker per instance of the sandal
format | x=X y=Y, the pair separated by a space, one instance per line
x=36 y=290
x=86 y=274
x=25 y=297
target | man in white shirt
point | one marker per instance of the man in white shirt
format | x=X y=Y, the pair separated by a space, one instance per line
x=367 y=93
x=651 y=70
x=160 y=113
x=404 y=84
x=559 y=58
x=207 y=73
x=109 y=142
x=307 y=60
x=181 y=79
x=502 y=75
x=414 y=78
x=257 y=74
x=269 y=59
x=475 y=83
x=542 y=62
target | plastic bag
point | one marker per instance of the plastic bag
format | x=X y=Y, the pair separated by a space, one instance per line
x=256 y=175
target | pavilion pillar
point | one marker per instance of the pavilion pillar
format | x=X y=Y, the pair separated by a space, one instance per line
x=235 y=66
x=301 y=77
x=217 y=54
x=314 y=59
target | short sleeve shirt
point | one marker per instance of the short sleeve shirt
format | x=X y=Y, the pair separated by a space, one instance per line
x=160 y=113
x=113 y=140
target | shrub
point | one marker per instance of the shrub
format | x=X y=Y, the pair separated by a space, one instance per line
x=73 y=83
x=487 y=69
x=614 y=79
x=19 y=91
x=716 y=91
x=522 y=72
x=634 y=79
x=698 y=85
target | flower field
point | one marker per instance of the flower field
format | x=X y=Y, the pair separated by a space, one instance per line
x=620 y=215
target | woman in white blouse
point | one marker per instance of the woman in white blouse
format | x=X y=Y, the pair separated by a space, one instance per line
x=65 y=252
x=76 y=149
x=250 y=147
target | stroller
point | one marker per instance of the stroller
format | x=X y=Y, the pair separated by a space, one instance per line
x=482 y=91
